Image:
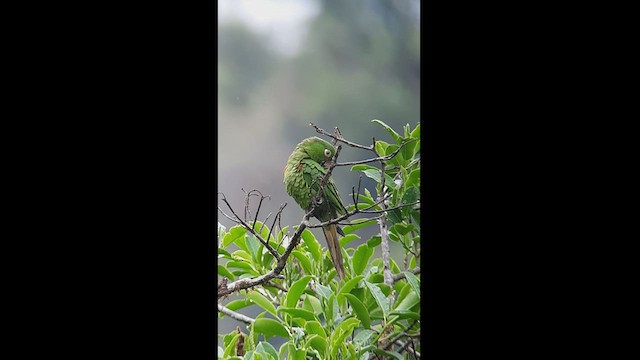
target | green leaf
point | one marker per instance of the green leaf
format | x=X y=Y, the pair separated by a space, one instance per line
x=262 y=301
x=376 y=278
x=409 y=150
x=267 y=258
x=312 y=244
x=234 y=234
x=412 y=262
x=381 y=147
x=347 y=239
x=222 y=253
x=361 y=258
x=324 y=291
x=282 y=232
x=241 y=255
x=413 y=281
x=402 y=229
x=387 y=354
x=296 y=290
x=304 y=261
x=352 y=351
x=341 y=332
x=230 y=349
x=394 y=134
x=347 y=286
x=375 y=175
x=364 y=337
x=312 y=304
x=357 y=224
x=406 y=289
x=379 y=297
x=252 y=245
x=330 y=310
x=408 y=302
x=361 y=311
x=410 y=196
x=242 y=265
x=361 y=167
x=222 y=271
x=414 y=178
x=405 y=314
x=301 y=313
x=314 y=327
x=416 y=132
x=270 y=328
x=268 y=349
x=319 y=343
x=238 y=304
x=374 y=241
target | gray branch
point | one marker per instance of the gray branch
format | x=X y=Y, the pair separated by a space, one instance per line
x=243 y=318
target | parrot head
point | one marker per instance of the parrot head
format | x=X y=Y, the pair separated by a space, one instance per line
x=317 y=149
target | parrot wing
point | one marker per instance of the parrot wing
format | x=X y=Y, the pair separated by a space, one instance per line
x=313 y=174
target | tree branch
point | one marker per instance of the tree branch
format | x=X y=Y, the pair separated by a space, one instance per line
x=400 y=276
x=341 y=139
x=237 y=316
x=282 y=260
x=250 y=228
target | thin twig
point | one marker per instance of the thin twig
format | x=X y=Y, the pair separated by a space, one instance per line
x=404 y=345
x=380 y=158
x=400 y=335
x=341 y=139
x=237 y=316
x=251 y=282
x=400 y=276
x=250 y=228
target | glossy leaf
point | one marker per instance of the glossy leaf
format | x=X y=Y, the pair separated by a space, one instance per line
x=361 y=311
x=270 y=328
x=361 y=258
x=234 y=234
x=357 y=224
x=301 y=313
x=319 y=343
x=262 y=302
x=379 y=297
x=312 y=244
x=347 y=239
x=268 y=349
x=413 y=281
x=296 y=290
x=304 y=261
x=393 y=133
x=222 y=271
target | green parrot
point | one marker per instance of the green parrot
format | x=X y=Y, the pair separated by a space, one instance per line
x=302 y=177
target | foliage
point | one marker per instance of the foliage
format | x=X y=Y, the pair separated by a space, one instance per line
x=321 y=316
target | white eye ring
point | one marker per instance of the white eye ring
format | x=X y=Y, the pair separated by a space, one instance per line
x=327 y=153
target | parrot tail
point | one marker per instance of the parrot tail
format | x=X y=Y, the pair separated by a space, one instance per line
x=331 y=234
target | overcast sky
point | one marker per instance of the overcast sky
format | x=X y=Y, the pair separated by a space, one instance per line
x=283 y=22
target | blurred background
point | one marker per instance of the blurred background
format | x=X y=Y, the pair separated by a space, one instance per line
x=283 y=64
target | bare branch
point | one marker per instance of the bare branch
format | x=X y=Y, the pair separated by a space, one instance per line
x=400 y=335
x=389 y=209
x=237 y=316
x=400 y=276
x=251 y=282
x=250 y=228
x=341 y=139
x=403 y=346
x=278 y=215
x=379 y=158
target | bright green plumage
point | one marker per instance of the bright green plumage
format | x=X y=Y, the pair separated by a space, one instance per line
x=302 y=177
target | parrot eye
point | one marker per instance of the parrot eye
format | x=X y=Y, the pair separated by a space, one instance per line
x=327 y=153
